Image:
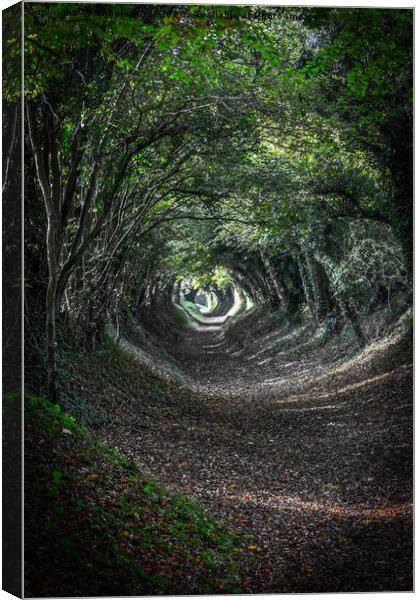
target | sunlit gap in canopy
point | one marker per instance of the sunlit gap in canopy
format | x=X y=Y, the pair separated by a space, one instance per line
x=214 y=295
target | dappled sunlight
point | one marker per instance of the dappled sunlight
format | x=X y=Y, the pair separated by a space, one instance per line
x=316 y=509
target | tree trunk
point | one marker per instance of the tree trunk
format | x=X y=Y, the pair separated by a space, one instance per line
x=118 y=328
x=319 y=293
x=51 y=196
x=306 y=285
x=352 y=318
x=400 y=163
x=347 y=310
x=50 y=325
x=177 y=292
x=277 y=284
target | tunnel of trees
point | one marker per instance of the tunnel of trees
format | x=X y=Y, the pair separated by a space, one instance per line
x=244 y=173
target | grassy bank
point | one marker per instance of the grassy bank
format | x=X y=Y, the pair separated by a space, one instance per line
x=94 y=524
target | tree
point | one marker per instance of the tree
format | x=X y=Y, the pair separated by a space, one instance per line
x=170 y=147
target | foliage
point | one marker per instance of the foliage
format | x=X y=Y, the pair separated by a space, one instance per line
x=173 y=148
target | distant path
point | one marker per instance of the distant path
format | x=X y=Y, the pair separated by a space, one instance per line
x=311 y=460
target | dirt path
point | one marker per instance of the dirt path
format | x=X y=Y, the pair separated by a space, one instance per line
x=311 y=460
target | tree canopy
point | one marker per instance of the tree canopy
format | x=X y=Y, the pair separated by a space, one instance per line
x=267 y=146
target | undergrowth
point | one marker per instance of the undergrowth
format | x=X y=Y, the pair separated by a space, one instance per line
x=95 y=526
x=96 y=385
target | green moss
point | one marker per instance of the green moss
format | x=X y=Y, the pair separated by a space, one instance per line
x=180 y=314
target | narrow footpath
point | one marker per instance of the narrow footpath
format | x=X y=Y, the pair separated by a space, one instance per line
x=310 y=459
